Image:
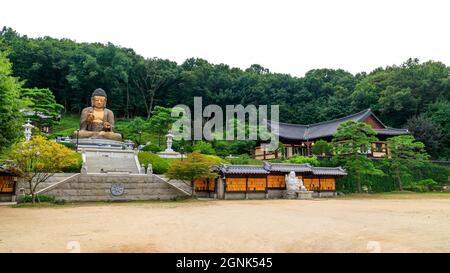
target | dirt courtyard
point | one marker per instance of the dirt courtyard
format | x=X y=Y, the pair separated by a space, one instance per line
x=326 y=225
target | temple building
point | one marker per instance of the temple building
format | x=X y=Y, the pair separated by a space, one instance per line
x=267 y=181
x=298 y=139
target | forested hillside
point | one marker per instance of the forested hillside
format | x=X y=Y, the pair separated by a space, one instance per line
x=413 y=94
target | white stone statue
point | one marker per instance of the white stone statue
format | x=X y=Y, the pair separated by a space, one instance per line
x=293 y=183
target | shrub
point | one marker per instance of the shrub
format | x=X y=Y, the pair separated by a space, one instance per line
x=160 y=165
x=217 y=160
x=203 y=147
x=69 y=145
x=298 y=159
x=41 y=198
x=152 y=148
x=244 y=160
x=422 y=185
x=76 y=166
x=321 y=147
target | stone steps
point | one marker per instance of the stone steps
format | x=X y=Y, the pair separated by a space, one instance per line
x=110 y=164
x=177 y=184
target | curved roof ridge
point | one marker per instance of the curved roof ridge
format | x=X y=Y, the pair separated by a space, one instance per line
x=365 y=112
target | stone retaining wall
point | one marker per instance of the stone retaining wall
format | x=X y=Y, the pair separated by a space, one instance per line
x=97 y=187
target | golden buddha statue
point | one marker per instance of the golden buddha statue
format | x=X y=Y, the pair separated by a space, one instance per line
x=97 y=121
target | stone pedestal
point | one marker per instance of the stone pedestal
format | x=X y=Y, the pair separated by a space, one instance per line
x=290 y=194
x=304 y=195
x=169 y=154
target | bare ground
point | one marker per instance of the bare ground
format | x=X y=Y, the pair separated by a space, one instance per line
x=327 y=225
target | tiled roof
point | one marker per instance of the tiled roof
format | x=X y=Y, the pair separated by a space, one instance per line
x=267 y=168
x=242 y=169
x=326 y=128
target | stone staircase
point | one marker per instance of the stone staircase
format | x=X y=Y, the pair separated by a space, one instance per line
x=179 y=185
x=111 y=164
x=101 y=161
x=53 y=183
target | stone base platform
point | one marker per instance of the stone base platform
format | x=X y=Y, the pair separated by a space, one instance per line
x=97 y=143
x=305 y=195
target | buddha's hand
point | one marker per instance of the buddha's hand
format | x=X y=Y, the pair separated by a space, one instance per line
x=90 y=117
x=106 y=126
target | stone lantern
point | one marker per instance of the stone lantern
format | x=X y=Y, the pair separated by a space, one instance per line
x=27 y=131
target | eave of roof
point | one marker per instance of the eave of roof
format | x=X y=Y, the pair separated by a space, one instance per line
x=267 y=168
x=325 y=128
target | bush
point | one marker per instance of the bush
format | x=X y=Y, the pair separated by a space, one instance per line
x=244 y=160
x=298 y=159
x=422 y=185
x=152 y=148
x=203 y=147
x=41 y=198
x=75 y=167
x=321 y=147
x=217 y=160
x=160 y=165
x=69 y=145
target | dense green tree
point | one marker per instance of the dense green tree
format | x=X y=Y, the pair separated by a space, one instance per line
x=135 y=85
x=429 y=133
x=160 y=122
x=10 y=115
x=43 y=110
x=350 y=142
x=404 y=153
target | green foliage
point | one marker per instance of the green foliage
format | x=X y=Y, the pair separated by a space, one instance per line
x=75 y=165
x=195 y=166
x=423 y=185
x=424 y=130
x=40 y=198
x=161 y=121
x=405 y=153
x=43 y=103
x=69 y=145
x=244 y=159
x=10 y=117
x=136 y=85
x=203 y=147
x=160 y=165
x=439 y=113
x=151 y=148
x=38 y=159
x=321 y=148
x=216 y=160
x=298 y=159
x=350 y=141
x=135 y=128
x=66 y=126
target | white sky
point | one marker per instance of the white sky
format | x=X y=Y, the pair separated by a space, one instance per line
x=284 y=36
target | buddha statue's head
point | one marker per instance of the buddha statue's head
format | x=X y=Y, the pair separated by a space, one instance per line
x=98 y=98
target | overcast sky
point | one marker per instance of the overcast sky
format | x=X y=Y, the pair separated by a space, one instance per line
x=285 y=36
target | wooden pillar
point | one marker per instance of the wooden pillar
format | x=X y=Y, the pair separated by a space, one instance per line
x=320 y=186
x=246 y=187
x=224 y=182
x=267 y=186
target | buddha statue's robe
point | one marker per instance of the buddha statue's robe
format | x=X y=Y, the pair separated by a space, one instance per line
x=96 y=128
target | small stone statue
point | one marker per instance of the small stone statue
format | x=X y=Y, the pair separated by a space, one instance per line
x=292 y=182
x=149 y=169
x=97 y=121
